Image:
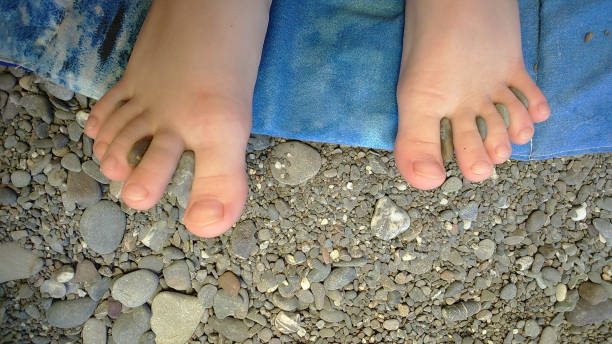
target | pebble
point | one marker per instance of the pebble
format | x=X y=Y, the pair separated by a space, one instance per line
x=508 y=292
x=38 y=106
x=578 y=213
x=319 y=271
x=549 y=335
x=453 y=289
x=53 y=288
x=230 y=328
x=58 y=91
x=93 y=170
x=206 y=295
x=226 y=305
x=71 y=162
x=389 y=220
x=156 y=235
x=460 y=311
x=452 y=184
x=96 y=290
x=287 y=323
x=74 y=132
x=7 y=81
x=485 y=249
x=469 y=212
x=64 y=274
x=81 y=118
x=294 y=162
x=585 y=314
x=229 y=283
x=175 y=317
x=102 y=226
x=177 y=275
x=243 y=242
x=604 y=227
x=391 y=324
x=605 y=203
x=70 y=313
x=340 y=277
x=7 y=196
x=135 y=288
x=332 y=316
x=86 y=272
x=17 y=263
x=180 y=187
x=20 y=178
x=258 y=142
x=560 y=292
x=128 y=327
x=531 y=328
x=535 y=221
x=592 y=293
x=153 y=263
x=551 y=274
x=82 y=189
x=94 y=332
x=524 y=263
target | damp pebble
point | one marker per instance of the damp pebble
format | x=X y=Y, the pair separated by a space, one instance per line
x=242 y=238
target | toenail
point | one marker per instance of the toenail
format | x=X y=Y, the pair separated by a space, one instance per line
x=543 y=109
x=428 y=168
x=135 y=192
x=481 y=167
x=206 y=212
x=501 y=151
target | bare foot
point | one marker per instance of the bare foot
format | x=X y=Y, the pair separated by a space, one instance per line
x=188 y=86
x=460 y=59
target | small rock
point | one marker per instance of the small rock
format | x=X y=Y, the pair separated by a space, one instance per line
x=226 y=305
x=229 y=283
x=180 y=187
x=578 y=213
x=391 y=324
x=535 y=221
x=230 y=328
x=86 y=272
x=287 y=323
x=603 y=226
x=17 y=263
x=485 y=249
x=82 y=189
x=175 y=317
x=452 y=184
x=102 y=226
x=38 y=106
x=156 y=236
x=93 y=170
x=71 y=162
x=64 y=274
x=332 y=316
x=294 y=162
x=135 y=288
x=243 y=242
x=560 y=292
x=389 y=220
x=58 y=91
x=81 y=118
x=532 y=329
x=339 y=277
x=592 y=293
x=153 y=263
x=128 y=327
x=94 y=332
x=549 y=335
x=206 y=295
x=74 y=132
x=469 y=212
x=177 y=275
x=70 y=313
x=551 y=274
x=453 y=289
x=7 y=81
x=586 y=314
x=7 y=196
x=319 y=271
x=524 y=263
x=96 y=290
x=55 y=289
x=20 y=178
x=508 y=292
x=258 y=142
x=460 y=311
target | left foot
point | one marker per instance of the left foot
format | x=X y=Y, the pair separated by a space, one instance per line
x=460 y=59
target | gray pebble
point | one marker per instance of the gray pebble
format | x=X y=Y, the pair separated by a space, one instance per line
x=339 y=277
x=74 y=132
x=258 y=142
x=391 y=324
x=102 y=226
x=469 y=212
x=55 y=289
x=20 y=178
x=585 y=314
x=535 y=221
x=175 y=317
x=82 y=189
x=531 y=328
x=230 y=328
x=332 y=316
x=38 y=106
x=592 y=293
x=453 y=289
x=389 y=220
x=58 y=91
x=319 y=271
x=551 y=274
x=294 y=162
x=135 y=288
x=177 y=275
x=243 y=242
x=70 y=313
x=128 y=327
x=460 y=311
x=604 y=227
x=86 y=272
x=7 y=81
x=206 y=295
x=288 y=304
x=71 y=162
x=7 y=196
x=180 y=187
x=153 y=263
x=485 y=249
x=17 y=263
x=60 y=141
x=93 y=170
x=605 y=203
x=96 y=290
x=94 y=332
x=452 y=184
x=508 y=292
x=42 y=130
x=549 y=335
x=226 y=305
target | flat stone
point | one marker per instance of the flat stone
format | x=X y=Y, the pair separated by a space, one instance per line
x=226 y=305
x=70 y=313
x=38 y=106
x=102 y=226
x=604 y=227
x=452 y=184
x=389 y=220
x=74 y=132
x=460 y=311
x=485 y=249
x=294 y=163
x=93 y=170
x=286 y=322
x=71 y=162
x=469 y=212
x=53 y=288
x=7 y=81
x=229 y=282
x=549 y=335
x=58 y=91
x=586 y=314
x=453 y=289
x=153 y=263
x=175 y=317
x=94 y=332
x=536 y=221
x=339 y=277
x=180 y=187
x=20 y=178
x=319 y=271
x=230 y=328
x=177 y=275
x=391 y=324
x=288 y=304
x=7 y=196
x=135 y=288
x=128 y=327
x=17 y=263
x=508 y=292
x=156 y=236
x=206 y=295
x=332 y=316
x=243 y=242
x=86 y=272
x=592 y=293
x=531 y=328
x=82 y=189
x=551 y=274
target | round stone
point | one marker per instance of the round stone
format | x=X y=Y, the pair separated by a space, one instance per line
x=229 y=283
x=135 y=288
x=508 y=292
x=340 y=277
x=452 y=184
x=94 y=332
x=532 y=329
x=243 y=242
x=71 y=162
x=391 y=324
x=592 y=293
x=7 y=196
x=175 y=317
x=177 y=275
x=55 y=289
x=20 y=178
x=102 y=227
x=128 y=327
x=294 y=162
x=535 y=221
x=485 y=249
x=70 y=313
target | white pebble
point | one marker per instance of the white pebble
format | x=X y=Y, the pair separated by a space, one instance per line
x=579 y=212
x=560 y=292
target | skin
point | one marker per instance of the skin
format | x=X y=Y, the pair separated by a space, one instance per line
x=206 y=55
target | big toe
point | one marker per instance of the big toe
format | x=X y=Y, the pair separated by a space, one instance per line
x=218 y=192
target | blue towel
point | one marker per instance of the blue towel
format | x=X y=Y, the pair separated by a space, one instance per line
x=329 y=67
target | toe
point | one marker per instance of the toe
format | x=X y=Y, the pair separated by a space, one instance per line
x=219 y=190
x=113 y=124
x=417 y=148
x=114 y=164
x=521 y=126
x=105 y=107
x=472 y=157
x=497 y=142
x=147 y=182
x=538 y=106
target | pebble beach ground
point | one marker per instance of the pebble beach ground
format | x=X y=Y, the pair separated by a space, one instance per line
x=333 y=246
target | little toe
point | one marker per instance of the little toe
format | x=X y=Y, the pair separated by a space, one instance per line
x=417 y=149
x=538 y=106
x=472 y=158
x=497 y=142
x=521 y=127
x=114 y=165
x=148 y=181
x=105 y=107
x=113 y=124
x=219 y=190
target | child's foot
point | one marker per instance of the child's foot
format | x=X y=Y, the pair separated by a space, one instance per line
x=460 y=58
x=188 y=86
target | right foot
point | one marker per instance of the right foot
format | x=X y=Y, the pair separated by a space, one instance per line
x=188 y=86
